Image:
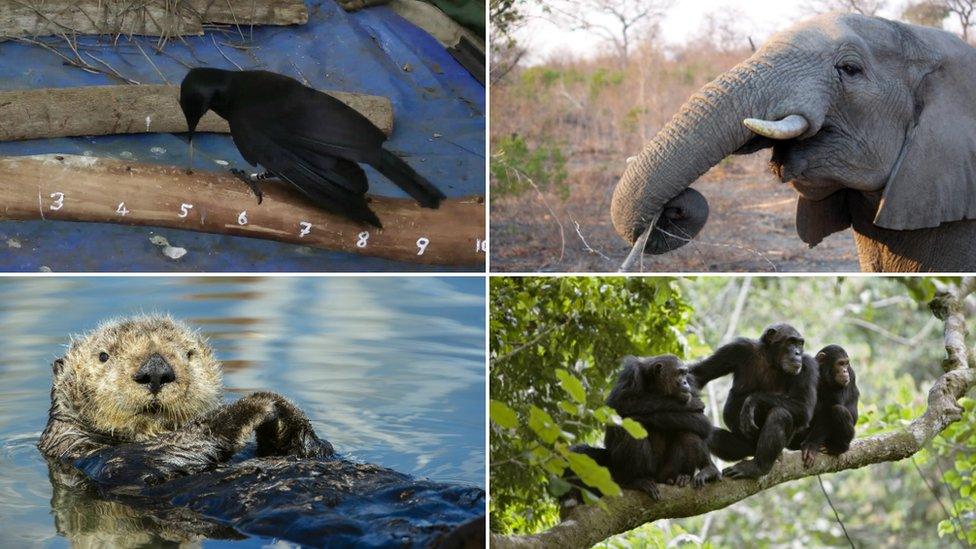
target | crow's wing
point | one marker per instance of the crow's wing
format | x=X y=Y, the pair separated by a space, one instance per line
x=310 y=119
x=333 y=183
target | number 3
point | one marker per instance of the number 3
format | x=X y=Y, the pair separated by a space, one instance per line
x=58 y=201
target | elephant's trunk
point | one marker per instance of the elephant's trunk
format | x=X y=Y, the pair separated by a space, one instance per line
x=708 y=128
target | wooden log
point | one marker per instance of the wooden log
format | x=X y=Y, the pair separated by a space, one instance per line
x=147 y=18
x=81 y=188
x=103 y=110
x=250 y=12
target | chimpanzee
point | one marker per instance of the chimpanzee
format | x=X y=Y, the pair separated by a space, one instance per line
x=774 y=390
x=832 y=426
x=655 y=392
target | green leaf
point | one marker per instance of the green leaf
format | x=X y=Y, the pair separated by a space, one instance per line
x=568 y=407
x=502 y=415
x=572 y=385
x=633 y=428
x=543 y=425
x=558 y=486
x=591 y=473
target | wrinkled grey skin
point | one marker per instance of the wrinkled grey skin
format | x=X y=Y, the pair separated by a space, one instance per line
x=890 y=150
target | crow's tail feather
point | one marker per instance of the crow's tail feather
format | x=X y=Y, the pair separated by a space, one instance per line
x=399 y=172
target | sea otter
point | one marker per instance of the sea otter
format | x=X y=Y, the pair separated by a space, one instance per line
x=142 y=449
x=146 y=392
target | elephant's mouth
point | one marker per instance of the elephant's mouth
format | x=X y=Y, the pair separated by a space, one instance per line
x=788 y=163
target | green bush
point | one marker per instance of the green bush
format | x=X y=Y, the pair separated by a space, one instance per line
x=556 y=346
x=514 y=164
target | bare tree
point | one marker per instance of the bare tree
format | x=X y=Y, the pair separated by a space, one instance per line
x=864 y=7
x=930 y=13
x=965 y=13
x=617 y=21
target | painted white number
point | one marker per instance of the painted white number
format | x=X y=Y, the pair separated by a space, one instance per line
x=363 y=237
x=242 y=219
x=58 y=201
x=481 y=245
x=306 y=228
x=185 y=209
x=422 y=243
x=121 y=209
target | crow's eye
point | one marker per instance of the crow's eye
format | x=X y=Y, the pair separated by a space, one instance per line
x=103 y=356
x=849 y=69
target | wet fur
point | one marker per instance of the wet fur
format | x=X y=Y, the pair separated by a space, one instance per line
x=115 y=430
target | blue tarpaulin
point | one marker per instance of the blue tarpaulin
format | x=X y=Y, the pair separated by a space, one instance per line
x=438 y=113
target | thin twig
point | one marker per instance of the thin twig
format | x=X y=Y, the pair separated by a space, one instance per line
x=562 y=232
x=938 y=499
x=159 y=72
x=586 y=245
x=836 y=514
x=530 y=342
x=733 y=246
x=112 y=70
x=214 y=40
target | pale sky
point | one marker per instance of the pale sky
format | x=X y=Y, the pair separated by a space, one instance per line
x=756 y=18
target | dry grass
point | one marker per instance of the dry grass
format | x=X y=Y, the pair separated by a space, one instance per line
x=599 y=113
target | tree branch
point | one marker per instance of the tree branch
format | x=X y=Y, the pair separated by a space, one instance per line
x=591 y=524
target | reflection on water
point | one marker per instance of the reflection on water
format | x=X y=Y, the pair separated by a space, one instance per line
x=390 y=370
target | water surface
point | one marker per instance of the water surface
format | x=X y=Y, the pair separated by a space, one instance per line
x=389 y=369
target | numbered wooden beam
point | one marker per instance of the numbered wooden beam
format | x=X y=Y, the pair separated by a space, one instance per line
x=104 y=110
x=147 y=18
x=81 y=188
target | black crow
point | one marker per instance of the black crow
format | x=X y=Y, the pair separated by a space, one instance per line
x=303 y=136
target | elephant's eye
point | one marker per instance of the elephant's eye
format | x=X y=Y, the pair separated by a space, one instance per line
x=849 y=69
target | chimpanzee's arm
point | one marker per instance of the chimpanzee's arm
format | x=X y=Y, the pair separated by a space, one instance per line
x=723 y=361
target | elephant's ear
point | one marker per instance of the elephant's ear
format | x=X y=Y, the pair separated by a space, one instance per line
x=935 y=182
x=818 y=219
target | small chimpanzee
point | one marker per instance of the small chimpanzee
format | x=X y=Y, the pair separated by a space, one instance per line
x=772 y=397
x=832 y=426
x=655 y=392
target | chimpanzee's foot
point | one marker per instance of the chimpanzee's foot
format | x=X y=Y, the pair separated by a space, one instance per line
x=648 y=486
x=744 y=469
x=709 y=474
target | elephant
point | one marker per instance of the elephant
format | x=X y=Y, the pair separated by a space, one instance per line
x=872 y=122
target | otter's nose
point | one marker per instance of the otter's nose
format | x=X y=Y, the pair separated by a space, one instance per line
x=155 y=372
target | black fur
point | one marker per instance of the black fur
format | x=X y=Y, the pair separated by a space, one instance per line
x=655 y=392
x=772 y=397
x=832 y=427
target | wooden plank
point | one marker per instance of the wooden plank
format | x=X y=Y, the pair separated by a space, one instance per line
x=104 y=110
x=251 y=12
x=148 y=18
x=80 y=188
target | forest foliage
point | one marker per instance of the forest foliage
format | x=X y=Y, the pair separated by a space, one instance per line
x=556 y=344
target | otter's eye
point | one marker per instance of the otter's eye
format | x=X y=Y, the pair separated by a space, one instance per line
x=103 y=356
x=190 y=353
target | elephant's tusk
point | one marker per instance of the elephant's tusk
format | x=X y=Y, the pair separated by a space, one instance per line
x=792 y=126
